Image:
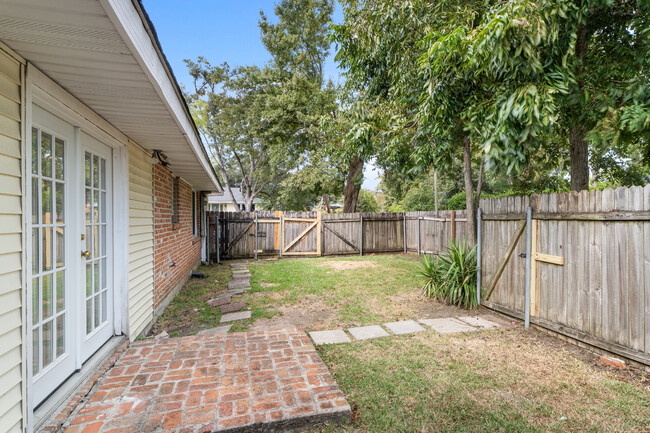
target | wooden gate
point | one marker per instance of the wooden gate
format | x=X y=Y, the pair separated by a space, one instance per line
x=590 y=262
x=506 y=268
x=301 y=236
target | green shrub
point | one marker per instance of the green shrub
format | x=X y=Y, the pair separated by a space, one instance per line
x=431 y=275
x=451 y=277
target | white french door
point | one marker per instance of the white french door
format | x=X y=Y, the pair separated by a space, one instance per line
x=96 y=269
x=52 y=271
x=71 y=275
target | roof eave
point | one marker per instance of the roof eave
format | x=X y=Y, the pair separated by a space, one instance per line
x=173 y=95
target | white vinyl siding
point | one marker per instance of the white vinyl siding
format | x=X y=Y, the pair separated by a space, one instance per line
x=10 y=244
x=140 y=241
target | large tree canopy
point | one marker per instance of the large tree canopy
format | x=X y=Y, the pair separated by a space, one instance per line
x=264 y=123
x=506 y=81
x=579 y=70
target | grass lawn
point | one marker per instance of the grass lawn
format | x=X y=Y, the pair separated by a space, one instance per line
x=312 y=294
x=189 y=313
x=321 y=293
x=505 y=380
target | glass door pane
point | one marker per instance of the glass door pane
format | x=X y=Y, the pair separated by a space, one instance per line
x=48 y=231
x=95 y=229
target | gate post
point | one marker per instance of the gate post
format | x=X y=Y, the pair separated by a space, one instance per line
x=255 y=235
x=404 y=232
x=319 y=233
x=281 y=234
x=217 y=236
x=529 y=226
x=479 y=247
x=418 y=235
x=361 y=234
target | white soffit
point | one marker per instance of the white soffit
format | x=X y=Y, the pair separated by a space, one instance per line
x=102 y=52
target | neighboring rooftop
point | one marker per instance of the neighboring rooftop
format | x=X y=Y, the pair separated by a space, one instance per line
x=225 y=197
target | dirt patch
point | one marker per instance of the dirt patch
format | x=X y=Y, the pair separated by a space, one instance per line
x=267 y=285
x=308 y=313
x=344 y=265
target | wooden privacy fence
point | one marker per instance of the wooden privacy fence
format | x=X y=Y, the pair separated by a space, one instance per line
x=589 y=274
x=589 y=255
x=268 y=233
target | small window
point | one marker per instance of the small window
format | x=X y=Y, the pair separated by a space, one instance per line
x=175 y=201
x=193 y=213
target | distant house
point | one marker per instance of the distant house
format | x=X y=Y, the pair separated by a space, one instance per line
x=223 y=202
x=103 y=185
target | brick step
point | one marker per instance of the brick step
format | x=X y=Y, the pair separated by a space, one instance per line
x=219 y=301
x=231 y=308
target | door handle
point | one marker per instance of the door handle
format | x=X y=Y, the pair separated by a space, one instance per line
x=85 y=254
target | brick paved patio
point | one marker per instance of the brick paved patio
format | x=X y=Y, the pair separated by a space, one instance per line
x=254 y=381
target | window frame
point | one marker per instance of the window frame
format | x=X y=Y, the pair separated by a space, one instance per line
x=194 y=224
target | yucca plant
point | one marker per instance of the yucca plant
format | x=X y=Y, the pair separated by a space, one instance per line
x=451 y=277
x=430 y=274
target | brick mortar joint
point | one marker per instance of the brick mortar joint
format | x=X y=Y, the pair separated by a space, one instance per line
x=93 y=385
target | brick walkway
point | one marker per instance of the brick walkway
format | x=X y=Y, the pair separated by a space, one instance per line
x=254 y=381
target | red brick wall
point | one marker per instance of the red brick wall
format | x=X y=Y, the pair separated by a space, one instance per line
x=173 y=243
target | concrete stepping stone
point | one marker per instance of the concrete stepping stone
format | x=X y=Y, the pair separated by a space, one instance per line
x=238 y=284
x=329 y=337
x=219 y=301
x=479 y=322
x=246 y=277
x=240 y=315
x=241 y=274
x=214 y=331
x=239 y=265
x=368 y=332
x=448 y=325
x=235 y=292
x=231 y=308
x=404 y=327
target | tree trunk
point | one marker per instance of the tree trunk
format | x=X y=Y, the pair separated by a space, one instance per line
x=469 y=189
x=248 y=203
x=435 y=188
x=578 y=147
x=224 y=176
x=353 y=185
x=579 y=159
x=479 y=183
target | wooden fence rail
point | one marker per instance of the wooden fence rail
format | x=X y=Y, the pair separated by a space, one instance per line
x=589 y=251
x=311 y=233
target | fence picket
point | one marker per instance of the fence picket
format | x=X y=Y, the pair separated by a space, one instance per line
x=601 y=294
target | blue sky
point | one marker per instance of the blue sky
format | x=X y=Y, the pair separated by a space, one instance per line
x=221 y=31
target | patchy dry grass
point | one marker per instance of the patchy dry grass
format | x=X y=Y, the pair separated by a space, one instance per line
x=320 y=293
x=189 y=313
x=504 y=380
x=344 y=265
